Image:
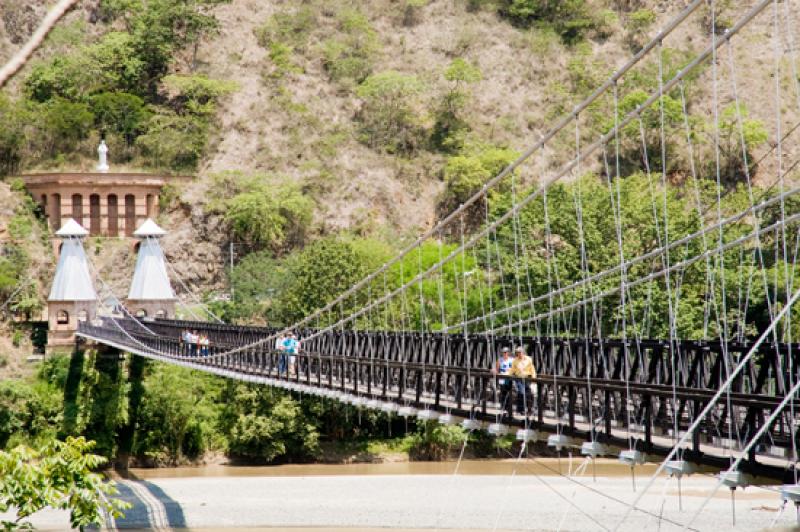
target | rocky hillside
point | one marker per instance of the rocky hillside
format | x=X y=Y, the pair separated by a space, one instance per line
x=305 y=105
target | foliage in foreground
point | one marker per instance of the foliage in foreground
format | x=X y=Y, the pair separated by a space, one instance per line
x=58 y=475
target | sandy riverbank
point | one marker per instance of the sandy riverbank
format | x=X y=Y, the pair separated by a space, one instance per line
x=382 y=497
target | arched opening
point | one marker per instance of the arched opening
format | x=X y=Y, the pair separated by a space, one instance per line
x=130 y=214
x=62 y=317
x=141 y=313
x=150 y=206
x=43 y=203
x=94 y=214
x=161 y=313
x=77 y=208
x=113 y=216
x=83 y=315
x=55 y=218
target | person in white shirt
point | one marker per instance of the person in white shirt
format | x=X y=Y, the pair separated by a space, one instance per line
x=281 y=348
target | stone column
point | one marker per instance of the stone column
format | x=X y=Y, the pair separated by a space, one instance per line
x=141 y=208
x=87 y=210
x=66 y=208
x=104 y=213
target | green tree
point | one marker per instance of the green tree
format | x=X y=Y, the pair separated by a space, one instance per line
x=322 y=271
x=177 y=415
x=59 y=475
x=636 y=153
x=102 y=409
x=159 y=28
x=197 y=94
x=12 y=135
x=291 y=28
x=390 y=117
x=432 y=441
x=348 y=57
x=63 y=124
x=173 y=141
x=451 y=126
x=738 y=135
x=110 y=65
x=572 y=19
x=266 y=424
x=121 y=113
x=467 y=172
x=639 y=22
x=272 y=216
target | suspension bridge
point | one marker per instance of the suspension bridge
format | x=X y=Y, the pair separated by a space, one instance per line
x=632 y=361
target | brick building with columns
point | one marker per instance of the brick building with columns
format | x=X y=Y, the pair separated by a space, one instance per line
x=106 y=203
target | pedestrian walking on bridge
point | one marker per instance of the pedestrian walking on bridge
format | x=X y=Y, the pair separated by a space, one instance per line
x=523 y=367
x=503 y=367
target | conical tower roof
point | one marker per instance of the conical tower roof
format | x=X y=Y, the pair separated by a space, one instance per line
x=72 y=281
x=149 y=228
x=72 y=228
x=150 y=280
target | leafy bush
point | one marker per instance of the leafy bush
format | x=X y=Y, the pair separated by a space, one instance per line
x=736 y=128
x=12 y=135
x=280 y=55
x=120 y=75
x=101 y=405
x=173 y=141
x=466 y=173
x=28 y=412
x=255 y=279
x=177 y=415
x=349 y=57
x=288 y=28
x=412 y=12
x=322 y=271
x=572 y=19
x=432 y=441
x=390 y=117
x=63 y=124
x=159 y=28
x=451 y=126
x=273 y=216
x=639 y=22
x=632 y=150
x=266 y=424
x=121 y=113
x=58 y=475
x=196 y=94
x=110 y=65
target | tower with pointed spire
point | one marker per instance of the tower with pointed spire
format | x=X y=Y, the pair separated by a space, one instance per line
x=72 y=297
x=151 y=293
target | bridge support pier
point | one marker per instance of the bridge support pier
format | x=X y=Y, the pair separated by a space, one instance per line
x=71 y=388
x=135 y=377
x=106 y=398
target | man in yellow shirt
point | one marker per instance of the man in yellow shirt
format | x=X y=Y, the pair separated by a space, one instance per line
x=522 y=366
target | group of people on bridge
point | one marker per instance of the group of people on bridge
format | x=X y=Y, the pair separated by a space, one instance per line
x=519 y=366
x=287 y=345
x=194 y=344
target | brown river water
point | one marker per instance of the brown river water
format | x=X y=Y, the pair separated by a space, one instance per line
x=538 y=466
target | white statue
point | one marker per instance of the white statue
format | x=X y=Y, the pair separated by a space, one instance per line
x=102 y=151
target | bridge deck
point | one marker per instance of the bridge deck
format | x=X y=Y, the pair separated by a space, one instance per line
x=623 y=413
